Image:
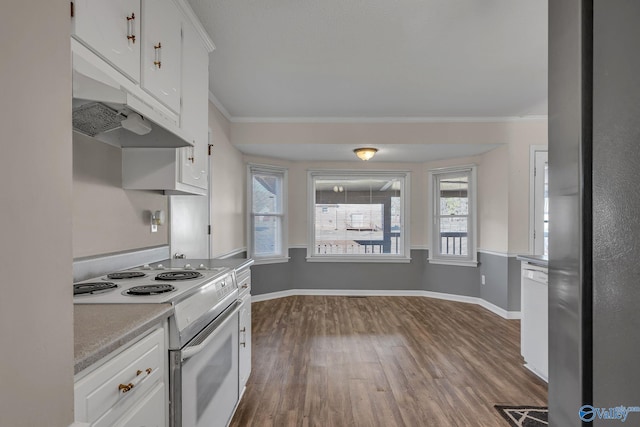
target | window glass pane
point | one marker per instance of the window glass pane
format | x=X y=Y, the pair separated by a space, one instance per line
x=357 y=216
x=454 y=195
x=266 y=236
x=267 y=194
x=454 y=236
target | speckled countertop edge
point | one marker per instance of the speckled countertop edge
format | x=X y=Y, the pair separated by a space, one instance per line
x=100 y=329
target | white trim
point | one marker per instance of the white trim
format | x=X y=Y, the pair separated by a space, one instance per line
x=420 y=248
x=536 y=373
x=232 y=253
x=456 y=262
x=453 y=169
x=342 y=173
x=298 y=246
x=188 y=12
x=472 y=194
x=236 y=119
x=283 y=172
x=385 y=293
x=356 y=259
x=215 y=101
x=498 y=310
x=532 y=164
x=496 y=253
x=263 y=261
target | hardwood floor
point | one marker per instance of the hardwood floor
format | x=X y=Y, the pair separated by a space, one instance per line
x=383 y=361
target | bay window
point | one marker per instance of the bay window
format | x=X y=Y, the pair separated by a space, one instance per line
x=358 y=216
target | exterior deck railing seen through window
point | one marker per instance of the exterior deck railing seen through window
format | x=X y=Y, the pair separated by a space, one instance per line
x=453 y=243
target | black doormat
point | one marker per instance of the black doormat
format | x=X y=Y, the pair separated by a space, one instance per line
x=525 y=416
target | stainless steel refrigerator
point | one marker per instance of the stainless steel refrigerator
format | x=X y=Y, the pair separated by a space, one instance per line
x=594 y=238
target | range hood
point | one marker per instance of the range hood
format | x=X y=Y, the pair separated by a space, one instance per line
x=109 y=107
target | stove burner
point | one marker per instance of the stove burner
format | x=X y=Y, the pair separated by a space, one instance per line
x=178 y=275
x=149 y=290
x=93 y=287
x=126 y=275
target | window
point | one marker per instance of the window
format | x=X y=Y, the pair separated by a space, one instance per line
x=267 y=218
x=358 y=216
x=539 y=202
x=453 y=216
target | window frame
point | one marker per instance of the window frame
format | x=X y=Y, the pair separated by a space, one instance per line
x=536 y=195
x=471 y=259
x=281 y=172
x=405 y=195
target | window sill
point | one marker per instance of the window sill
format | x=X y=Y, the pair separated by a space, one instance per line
x=264 y=261
x=459 y=263
x=390 y=260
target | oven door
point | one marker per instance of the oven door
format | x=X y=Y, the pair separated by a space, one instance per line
x=204 y=375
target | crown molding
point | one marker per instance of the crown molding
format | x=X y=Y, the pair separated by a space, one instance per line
x=219 y=106
x=387 y=119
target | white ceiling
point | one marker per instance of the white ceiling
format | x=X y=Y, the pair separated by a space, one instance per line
x=386 y=59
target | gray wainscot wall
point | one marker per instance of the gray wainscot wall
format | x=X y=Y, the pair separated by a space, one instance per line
x=501 y=288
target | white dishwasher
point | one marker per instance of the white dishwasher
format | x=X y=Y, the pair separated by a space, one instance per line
x=534 y=332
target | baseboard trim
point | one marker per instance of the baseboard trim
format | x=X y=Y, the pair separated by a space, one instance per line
x=536 y=373
x=389 y=293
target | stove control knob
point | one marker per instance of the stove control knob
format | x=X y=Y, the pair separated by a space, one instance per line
x=187 y=266
x=160 y=267
x=202 y=267
x=146 y=267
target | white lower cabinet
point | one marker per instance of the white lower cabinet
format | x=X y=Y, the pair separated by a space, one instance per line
x=244 y=353
x=535 y=319
x=128 y=389
x=149 y=412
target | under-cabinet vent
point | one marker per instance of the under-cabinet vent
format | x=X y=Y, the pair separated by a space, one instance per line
x=94 y=118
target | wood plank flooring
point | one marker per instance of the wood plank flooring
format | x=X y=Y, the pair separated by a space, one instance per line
x=383 y=361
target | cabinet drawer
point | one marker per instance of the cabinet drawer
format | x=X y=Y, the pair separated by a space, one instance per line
x=244 y=281
x=149 y=412
x=99 y=392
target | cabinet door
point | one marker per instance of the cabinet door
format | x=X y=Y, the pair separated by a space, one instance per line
x=161 y=51
x=194 y=117
x=150 y=412
x=245 y=342
x=112 y=30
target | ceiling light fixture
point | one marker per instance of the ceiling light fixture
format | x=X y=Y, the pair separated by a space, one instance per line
x=365 y=153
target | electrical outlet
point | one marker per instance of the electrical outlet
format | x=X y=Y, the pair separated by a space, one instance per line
x=482 y=279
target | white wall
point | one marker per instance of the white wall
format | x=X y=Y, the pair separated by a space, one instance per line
x=493 y=200
x=36 y=309
x=533 y=133
x=228 y=189
x=107 y=218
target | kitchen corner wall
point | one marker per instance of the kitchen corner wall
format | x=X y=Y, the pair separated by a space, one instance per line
x=228 y=189
x=107 y=218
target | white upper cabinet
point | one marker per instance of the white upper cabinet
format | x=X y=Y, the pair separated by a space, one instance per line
x=162 y=51
x=195 y=109
x=112 y=30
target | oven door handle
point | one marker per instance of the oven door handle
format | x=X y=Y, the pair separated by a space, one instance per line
x=191 y=351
